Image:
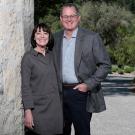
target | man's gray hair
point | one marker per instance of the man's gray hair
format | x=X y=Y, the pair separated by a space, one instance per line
x=70 y=5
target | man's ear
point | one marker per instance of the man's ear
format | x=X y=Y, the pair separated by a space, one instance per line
x=60 y=18
x=79 y=18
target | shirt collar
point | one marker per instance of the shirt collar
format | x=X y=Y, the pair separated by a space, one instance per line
x=74 y=34
x=35 y=53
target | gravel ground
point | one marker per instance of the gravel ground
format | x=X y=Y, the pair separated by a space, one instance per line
x=119 y=118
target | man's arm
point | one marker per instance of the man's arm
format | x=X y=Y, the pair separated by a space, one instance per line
x=102 y=61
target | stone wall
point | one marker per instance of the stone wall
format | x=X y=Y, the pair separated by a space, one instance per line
x=16 y=23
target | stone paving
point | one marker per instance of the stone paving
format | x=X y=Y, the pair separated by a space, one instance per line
x=119 y=118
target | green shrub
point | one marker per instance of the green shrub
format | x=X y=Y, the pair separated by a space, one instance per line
x=121 y=54
x=110 y=20
x=124 y=53
x=114 y=68
x=52 y=22
x=120 y=71
x=128 y=69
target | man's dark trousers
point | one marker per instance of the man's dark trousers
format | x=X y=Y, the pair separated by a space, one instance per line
x=74 y=104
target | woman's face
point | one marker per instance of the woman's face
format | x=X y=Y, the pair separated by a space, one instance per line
x=41 y=37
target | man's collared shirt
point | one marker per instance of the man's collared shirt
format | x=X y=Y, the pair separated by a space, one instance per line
x=68 y=52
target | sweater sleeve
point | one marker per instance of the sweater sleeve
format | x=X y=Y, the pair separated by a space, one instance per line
x=26 y=68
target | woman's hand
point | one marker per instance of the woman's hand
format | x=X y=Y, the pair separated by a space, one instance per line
x=28 y=119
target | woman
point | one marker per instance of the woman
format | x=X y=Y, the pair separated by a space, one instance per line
x=40 y=95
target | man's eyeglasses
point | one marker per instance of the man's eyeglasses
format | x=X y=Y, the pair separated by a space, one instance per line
x=66 y=17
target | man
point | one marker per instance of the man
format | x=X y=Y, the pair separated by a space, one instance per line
x=82 y=64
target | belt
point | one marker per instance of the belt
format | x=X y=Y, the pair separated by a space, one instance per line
x=70 y=86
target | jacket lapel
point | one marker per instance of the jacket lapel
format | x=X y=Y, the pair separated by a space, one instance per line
x=59 y=50
x=78 y=49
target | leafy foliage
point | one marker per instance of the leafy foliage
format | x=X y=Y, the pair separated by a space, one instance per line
x=124 y=69
x=45 y=8
x=124 y=54
x=52 y=21
x=128 y=69
x=115 y=68
x=111 y=21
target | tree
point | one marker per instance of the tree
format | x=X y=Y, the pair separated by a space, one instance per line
x=111 y=21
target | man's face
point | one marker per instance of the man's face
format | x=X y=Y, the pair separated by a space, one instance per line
x=69 y=18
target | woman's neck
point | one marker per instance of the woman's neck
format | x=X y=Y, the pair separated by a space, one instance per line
x=40 y=50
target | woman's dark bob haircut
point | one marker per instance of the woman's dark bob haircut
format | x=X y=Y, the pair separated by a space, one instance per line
x=45 y=28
